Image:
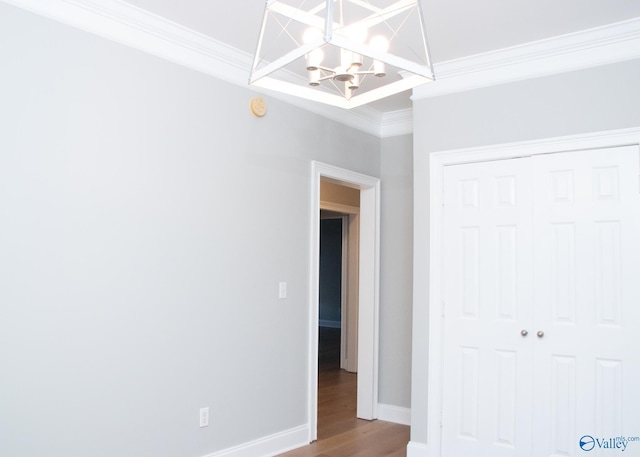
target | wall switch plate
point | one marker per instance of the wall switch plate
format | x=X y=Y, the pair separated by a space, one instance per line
x=204 y=417
x=282 y=290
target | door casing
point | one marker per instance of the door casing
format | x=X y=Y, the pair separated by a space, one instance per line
x=368 y=285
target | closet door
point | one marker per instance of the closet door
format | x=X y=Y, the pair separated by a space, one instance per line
x=487 y=270
x=587 y=300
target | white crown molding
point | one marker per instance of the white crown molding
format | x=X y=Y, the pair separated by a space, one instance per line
x=589 y=48
x=127 y=24
x=582 y=141
x=395 y=123
x=119 y=21
x=132 y=26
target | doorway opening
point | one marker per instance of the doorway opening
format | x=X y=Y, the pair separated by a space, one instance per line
x=333 y=292
x=359 y=316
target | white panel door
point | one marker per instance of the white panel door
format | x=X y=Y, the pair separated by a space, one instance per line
x=487 y=280
x=549 y=245
x=587 y=300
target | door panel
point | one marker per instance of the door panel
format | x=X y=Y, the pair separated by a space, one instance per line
x=587 y=226
x=488 y=263
x=549 y=245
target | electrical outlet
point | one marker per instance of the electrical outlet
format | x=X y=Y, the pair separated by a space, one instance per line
x=204 y=417
x=282 y=290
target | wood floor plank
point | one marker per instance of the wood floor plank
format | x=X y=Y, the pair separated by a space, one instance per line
x=340 y=433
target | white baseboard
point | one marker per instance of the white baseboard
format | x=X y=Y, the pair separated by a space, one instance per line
x=330 y=324
x=417 y=450
x=396 y=414
x=299 y=436
x=269 y=445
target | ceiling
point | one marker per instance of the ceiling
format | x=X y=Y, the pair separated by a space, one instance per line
x=455 y=28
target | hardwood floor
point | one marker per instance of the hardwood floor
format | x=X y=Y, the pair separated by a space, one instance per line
x=340 y=433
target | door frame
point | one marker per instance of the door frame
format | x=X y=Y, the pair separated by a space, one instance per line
x=428 y=305
x=368 y=285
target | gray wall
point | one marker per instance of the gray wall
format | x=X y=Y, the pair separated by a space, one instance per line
x=396 y=257
x=147 y=219
x=590 y=100
x=595 y=99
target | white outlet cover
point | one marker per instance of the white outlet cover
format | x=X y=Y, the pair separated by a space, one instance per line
x=282 y=290
x=204 y=417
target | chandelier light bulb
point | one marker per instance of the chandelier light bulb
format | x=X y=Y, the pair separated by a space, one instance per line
x=379 y=43
x=357 y=32
x=311 y=34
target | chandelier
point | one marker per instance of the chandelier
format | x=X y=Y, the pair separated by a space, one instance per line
x=344 y=53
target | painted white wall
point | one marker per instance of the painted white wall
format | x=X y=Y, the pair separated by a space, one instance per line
x=396 y=257
x=146 y=220
x=590 y=100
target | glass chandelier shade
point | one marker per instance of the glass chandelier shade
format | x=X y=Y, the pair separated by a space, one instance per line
x=344 y=53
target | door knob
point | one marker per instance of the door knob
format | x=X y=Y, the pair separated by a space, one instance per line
x=540 y=334
x=524 y=333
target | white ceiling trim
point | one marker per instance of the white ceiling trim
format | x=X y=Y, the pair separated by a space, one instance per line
x=396 y=123
x=119 y=21
x=132 y=26
x=579 y=142
x=137 y=28
x=598 y=46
